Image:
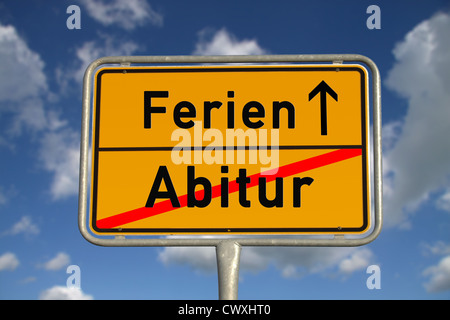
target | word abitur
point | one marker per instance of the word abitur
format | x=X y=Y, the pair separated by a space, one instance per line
x=223 y=190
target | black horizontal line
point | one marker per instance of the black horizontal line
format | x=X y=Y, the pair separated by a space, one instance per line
x=177 y=148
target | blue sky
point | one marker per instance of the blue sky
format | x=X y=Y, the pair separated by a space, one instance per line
x=41 y=67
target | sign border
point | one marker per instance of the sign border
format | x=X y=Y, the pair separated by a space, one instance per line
x=282 y=230
x=269 y=240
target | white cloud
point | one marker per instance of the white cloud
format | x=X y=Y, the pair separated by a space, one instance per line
x=21 y=69
x=357 y=261
x=23 y=93
x=224 y=43
x=443 y=201
x=60 y=155
x=58 y=262
x=8 y=261
x=439 y=276
x=31 y=116
x=419 y=160
x=24 y=96
x=64 y=293
x=291 y=262
x=22 y=82
x=127 y=14
x=105 y=45
x=26 y=226
x=438 y=248
x=296 y=262
x=199 y=258
x=391 y=132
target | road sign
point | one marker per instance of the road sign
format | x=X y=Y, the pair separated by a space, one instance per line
x=230 y=150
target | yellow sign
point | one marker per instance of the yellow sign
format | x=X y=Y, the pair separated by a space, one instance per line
x=230 y=149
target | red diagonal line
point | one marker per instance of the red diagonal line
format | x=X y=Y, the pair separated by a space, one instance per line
x=233 y=186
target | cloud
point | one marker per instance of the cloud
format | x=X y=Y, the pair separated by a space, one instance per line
x=439 y=276
x=8 y=261
x=390 y=133
x=198 y=258
x=22 y=83
x=105 y=45
x=26 y=226
x=443 y=201
x=438 y=248
x=297 y=262
x=58 y=262
x=31 y=116
x=359 y=260
x=291 y=262
x=23 y=94
x=224 y=43
x=419 y=159
x=127 y=14
x=60 y=155
x=21 y=69
x=64 y=293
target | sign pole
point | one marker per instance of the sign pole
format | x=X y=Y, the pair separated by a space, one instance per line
x=228 y=254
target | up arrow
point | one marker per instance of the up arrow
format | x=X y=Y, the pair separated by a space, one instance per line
x=323 y=88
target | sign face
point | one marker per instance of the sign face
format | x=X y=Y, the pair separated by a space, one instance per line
x=230 y=150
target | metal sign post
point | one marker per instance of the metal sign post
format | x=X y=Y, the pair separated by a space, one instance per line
x=150 y=176
x=228 y=254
